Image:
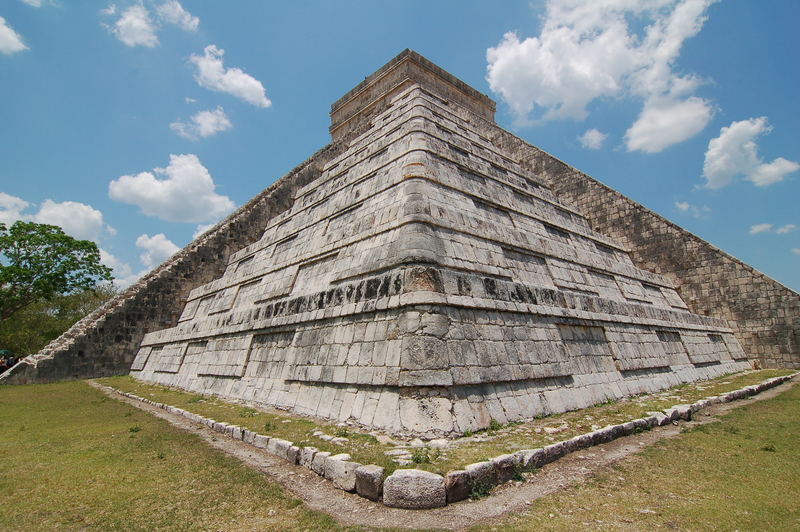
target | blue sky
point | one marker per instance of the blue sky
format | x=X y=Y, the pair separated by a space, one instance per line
x=133 y=123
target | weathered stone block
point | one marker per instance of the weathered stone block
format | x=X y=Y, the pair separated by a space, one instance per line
x=414 y=489
x=369 y=481
x=457 y=486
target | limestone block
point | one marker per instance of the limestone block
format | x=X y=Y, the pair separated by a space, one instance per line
x=482 y=473
x=414 y=489
x=369 y=481
x=307 y=456
x=278 y=447
x=341 y=471
x=261 y=441
x=293 y=454
x=457 y=486
x=505 y=466
x=318 y=463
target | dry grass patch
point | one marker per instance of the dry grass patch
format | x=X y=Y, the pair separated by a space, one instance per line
x=75 y=459
x=739 y=473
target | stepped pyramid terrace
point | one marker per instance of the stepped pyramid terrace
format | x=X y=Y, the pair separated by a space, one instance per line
x=427 y=272
x=424 y=281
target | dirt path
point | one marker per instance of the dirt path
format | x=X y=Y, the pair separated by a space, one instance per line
x=350 y=509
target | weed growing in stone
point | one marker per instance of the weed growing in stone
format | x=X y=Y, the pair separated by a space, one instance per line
x=425 y=455
x=479 y=490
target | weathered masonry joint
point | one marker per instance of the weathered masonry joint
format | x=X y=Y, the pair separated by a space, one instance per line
x=428 y=272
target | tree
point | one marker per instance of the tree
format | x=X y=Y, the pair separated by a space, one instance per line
x=35 y=326
x=39 y=262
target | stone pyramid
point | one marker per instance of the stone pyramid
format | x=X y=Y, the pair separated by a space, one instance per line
x=426 y=283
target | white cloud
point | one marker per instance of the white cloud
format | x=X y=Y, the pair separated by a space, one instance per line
x=10 y=41
x=693 y=210
x=78 y=220
x=11 y=208
x=769 y=173
x=760 y=228
x=185 y=194
x=110 y=10
x=203 y=124
x=173 y=12
x=33 y=3
x=212 y=74
x=590 y=49
x=135 y=28
x=157 y=249
x=189 y=100
x=664 y=122
x=123 y=273
x=592 y=139
x=796 y=251
x=735 y=153
x=200 y=229
x=784 y=229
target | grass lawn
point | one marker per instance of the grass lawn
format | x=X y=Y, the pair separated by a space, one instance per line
x=73 y=458
x=365 y=449
x=740 y=473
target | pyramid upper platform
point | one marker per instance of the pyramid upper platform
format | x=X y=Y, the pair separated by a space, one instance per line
x=351 y=113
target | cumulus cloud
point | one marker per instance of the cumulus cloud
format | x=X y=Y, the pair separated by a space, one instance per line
x=663 y=123
x=173 y=12
x=185 y=192
x=784 y=229
x=11 y=208
x=760 y=228
x=124 y=275
x=693 y=210
x=590 y=49
x=135 y=27
x=78 y=220
x=592 y=139
x=203 y=124
x=10 y=40
x=212 y=74
x=735 y=153
x=156 y=249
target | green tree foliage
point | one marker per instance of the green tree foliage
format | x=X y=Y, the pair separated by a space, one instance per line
x=41 y=322
x=39 y=263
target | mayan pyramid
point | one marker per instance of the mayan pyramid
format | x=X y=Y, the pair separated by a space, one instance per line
x=426 y=283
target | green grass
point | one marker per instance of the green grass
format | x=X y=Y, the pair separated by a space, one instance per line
x=530 y=435
x=72 y=458
x=365 y=449
x=740 y=473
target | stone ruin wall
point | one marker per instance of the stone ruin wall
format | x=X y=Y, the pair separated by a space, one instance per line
x=105 y=342
x=764 y=314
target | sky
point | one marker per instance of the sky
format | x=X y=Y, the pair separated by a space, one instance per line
x=140 y=123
